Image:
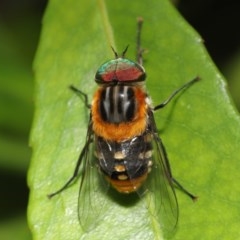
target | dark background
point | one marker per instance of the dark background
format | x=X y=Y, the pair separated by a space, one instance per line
x=20 y=23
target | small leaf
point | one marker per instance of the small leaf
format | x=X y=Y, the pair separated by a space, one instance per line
x=200 y=128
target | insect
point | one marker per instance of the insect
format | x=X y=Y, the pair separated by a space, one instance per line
x=122 y=133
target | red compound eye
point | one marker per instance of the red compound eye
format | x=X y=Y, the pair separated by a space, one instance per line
x=120 y=70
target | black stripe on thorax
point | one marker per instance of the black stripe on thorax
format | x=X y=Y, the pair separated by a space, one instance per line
x=117 y=104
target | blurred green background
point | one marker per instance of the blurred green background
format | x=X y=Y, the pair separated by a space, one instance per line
x=20 y=25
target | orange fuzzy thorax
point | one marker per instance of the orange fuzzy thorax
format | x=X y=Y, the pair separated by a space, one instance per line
x=122 y=131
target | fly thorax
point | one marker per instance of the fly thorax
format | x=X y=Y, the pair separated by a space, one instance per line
x=117 y=104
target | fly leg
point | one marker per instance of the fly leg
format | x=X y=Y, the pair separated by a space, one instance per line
x=79 y=92
x=139 y=48
x=184 y=190
x=76 y=171
x=168 y=170
x=185 y=86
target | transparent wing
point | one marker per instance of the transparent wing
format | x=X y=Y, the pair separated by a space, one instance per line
x=92 y=192
x=161 y=197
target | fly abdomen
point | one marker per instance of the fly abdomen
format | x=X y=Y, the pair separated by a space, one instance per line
x=125 y=164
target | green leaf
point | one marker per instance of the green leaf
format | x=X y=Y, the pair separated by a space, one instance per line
x=16 y=109
x=200 y=129
x=16 y=106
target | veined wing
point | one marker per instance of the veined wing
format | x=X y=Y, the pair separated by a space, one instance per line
x=92 y=193
x=161 y=197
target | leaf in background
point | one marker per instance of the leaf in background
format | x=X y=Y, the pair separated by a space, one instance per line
x=232 y=70
x=200 y=129
x=15 y=103
x=16 y=110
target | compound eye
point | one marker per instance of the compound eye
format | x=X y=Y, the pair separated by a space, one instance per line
x=120 y=70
